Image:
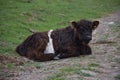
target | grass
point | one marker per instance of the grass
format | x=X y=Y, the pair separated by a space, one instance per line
x=57 y=76
x=10 y=65
x=93 y=65
x=37 y=65
x=117 y=77
x=18 y=16
x=76 y=70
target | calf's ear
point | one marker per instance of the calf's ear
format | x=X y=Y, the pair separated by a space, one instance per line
x=95 y=24
x=73 y=24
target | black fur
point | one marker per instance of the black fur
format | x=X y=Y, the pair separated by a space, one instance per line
x=68 y=42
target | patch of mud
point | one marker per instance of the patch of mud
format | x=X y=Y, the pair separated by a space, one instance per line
x=6 y=59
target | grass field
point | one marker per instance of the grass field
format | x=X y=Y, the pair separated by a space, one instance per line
x=18 y=16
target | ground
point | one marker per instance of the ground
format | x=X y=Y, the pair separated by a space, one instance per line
x=103 y=64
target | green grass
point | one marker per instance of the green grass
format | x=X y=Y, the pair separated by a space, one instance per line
x=93 y=65
x=10 y=65
x=37 y=65
x=117 y=77
x=18 y=16
x=57 y=76
x=73 y=70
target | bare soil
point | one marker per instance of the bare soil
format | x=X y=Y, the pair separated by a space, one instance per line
x=106 y=53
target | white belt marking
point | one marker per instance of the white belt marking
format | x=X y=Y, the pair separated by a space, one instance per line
x=49 y=48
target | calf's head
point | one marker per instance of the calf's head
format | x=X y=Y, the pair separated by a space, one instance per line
x=84 y=29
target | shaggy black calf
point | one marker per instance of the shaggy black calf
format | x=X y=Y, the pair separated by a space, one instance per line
x=67 y=42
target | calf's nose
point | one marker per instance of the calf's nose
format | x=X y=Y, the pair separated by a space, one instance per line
x=87 y=39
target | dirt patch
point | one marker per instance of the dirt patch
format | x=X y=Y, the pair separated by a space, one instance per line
x=103 y=64
x=6 y=59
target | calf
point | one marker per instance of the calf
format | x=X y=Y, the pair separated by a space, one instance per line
x=67 y=42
